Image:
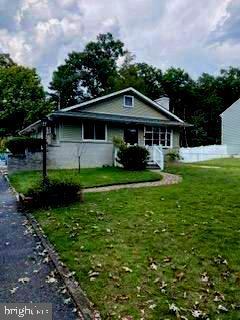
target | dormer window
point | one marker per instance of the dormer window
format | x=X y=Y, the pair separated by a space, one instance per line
x=128 y=101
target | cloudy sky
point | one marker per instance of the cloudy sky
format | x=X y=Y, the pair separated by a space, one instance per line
x=199 y=36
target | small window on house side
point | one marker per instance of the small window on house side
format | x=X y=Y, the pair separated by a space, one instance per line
x=128 y=101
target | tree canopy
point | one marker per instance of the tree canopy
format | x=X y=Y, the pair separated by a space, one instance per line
x=104 y=66
x=22 y=98
x=88 y=74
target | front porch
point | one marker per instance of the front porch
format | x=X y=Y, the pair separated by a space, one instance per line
x=156 y=139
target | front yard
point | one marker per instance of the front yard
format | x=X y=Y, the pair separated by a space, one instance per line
x=157 y=253
x=23 y=181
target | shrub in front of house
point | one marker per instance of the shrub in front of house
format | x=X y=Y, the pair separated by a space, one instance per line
x=173 y=155
x=53 y=193
x=18 y=145
x=133 y=157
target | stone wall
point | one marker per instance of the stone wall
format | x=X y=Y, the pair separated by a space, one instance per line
x=30 y=161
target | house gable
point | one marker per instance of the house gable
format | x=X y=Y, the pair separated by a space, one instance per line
x=115 y=106
x=230 y=128
x=234 y=107
x=162 y=113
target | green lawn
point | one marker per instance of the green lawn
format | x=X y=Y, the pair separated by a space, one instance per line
x=153 y=248
x=22 y=181
x=226 y=162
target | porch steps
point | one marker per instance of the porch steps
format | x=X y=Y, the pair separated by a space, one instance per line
x=152 y=165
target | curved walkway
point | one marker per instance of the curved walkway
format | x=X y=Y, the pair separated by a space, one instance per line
x=167 y=179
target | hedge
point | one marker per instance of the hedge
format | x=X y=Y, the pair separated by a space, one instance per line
x=18 y=145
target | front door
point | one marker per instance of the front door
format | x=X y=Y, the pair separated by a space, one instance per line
x=131 y=135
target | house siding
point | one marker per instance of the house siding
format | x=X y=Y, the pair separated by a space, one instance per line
x=92 y=154
x=115 y=106
x=231 y=128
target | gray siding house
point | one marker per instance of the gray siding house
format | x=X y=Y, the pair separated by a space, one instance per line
x=86 y=130
x=231 y=128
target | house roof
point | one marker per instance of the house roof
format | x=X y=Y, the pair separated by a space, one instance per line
x=118 y=118
x=234 y=105
x=72 y=112
x=130 y=89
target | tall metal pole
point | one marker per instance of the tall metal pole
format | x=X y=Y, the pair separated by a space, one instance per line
x=44 y=162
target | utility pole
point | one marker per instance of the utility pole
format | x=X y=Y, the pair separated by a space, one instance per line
x=44 y=158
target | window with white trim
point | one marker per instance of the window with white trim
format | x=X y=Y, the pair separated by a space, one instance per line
x=94 y=131
x=158 y=136
x=128 y=101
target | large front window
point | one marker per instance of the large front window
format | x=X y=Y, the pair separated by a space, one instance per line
x=158 y=136
x=94 y=131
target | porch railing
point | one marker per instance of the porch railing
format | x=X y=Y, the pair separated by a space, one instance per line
x=156 y=156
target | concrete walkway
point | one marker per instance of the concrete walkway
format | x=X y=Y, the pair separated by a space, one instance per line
x=167 y=179
x=26 y=275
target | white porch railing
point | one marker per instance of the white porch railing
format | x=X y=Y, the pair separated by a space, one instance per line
x=156 y=156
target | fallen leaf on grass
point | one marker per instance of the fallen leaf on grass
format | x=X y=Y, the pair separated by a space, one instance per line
x=126 y=269
x=167 y=259
x=152 y=306
x=153 y=266
x=122 y=298
x=204 y=277
x=93 y=273
x=218 y=297
x=179 y=275
x=220 y=260
x=174 y=309
x=197 y=313
x=163 y=286
x=222 y=308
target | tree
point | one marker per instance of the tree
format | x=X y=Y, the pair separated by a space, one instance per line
x=143 y=77
x=90 y=73
x=180 y=88
x=210 y=104
x=228 y=86
x=65 y=86
x=6 y=61
x=22 y=99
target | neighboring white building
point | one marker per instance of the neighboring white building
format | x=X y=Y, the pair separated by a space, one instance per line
x=231 y=128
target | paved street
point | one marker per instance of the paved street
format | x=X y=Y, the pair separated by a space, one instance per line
x=26 y=275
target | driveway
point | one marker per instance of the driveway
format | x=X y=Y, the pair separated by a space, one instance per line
x=26 y=274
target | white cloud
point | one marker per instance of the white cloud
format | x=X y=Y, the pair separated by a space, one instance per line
x=162 y=32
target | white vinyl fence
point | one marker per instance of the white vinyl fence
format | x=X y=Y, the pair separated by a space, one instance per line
x=203 y=153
